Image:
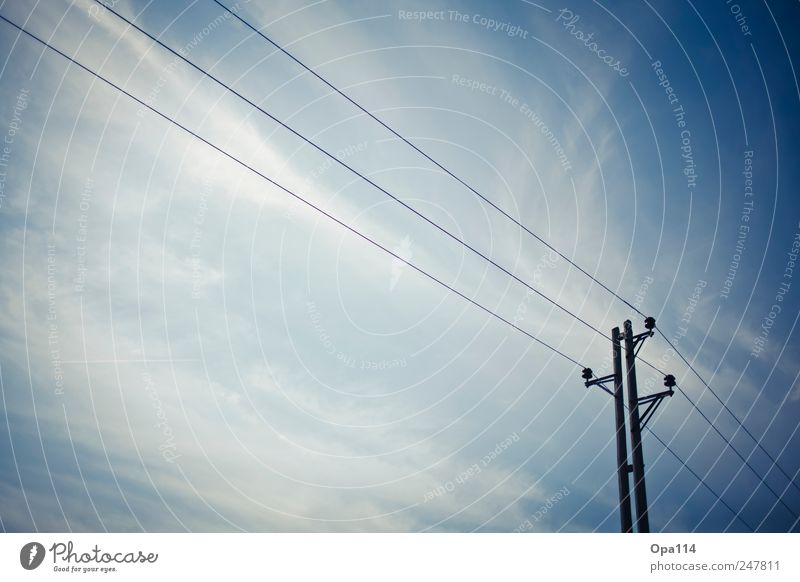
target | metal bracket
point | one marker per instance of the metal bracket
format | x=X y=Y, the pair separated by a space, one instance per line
x=638 y=339
x=601 y=382
x=652 y=400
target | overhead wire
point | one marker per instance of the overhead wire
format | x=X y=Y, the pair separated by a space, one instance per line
x=411 y=144
x=729 y=411
x=353 y=170
x=401 y=202
x=517 y=222
x=289 y=191
x=300 y=198
x=701 y=480
x=409 y=207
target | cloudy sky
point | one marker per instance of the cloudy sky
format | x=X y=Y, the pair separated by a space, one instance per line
x=186 y=346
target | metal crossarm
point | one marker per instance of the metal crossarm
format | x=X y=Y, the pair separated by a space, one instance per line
x=654 y=400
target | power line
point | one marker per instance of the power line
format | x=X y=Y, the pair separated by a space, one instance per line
x=700 y=479
x=738 y=454
x=516 y=222
x=404 y=204
x=304 y=201
x=725 y=406
x=425 y=155
x=723 y=437
x=366 y=179
x=356 y=172
x=291 y=193
x=761 y=478
x=420 y=215
x=415 y=212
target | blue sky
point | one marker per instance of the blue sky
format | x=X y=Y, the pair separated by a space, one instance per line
x=186 y=347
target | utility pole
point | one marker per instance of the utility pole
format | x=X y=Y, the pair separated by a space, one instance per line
x=623 y=468
x=637 y=421
x=639 y=489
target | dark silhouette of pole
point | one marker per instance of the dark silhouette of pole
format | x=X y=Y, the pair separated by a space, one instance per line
x=623 y=468
x=639 y=490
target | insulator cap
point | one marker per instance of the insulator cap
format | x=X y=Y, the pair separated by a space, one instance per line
x=649 y=322
x=587 y=374
x=669 y=381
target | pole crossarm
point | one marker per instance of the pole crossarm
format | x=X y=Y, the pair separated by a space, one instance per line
x=654 y=400
x=638 y=339
x=601 y=382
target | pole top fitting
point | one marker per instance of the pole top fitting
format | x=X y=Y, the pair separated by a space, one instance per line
x=669 y=381
x=649 y=323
